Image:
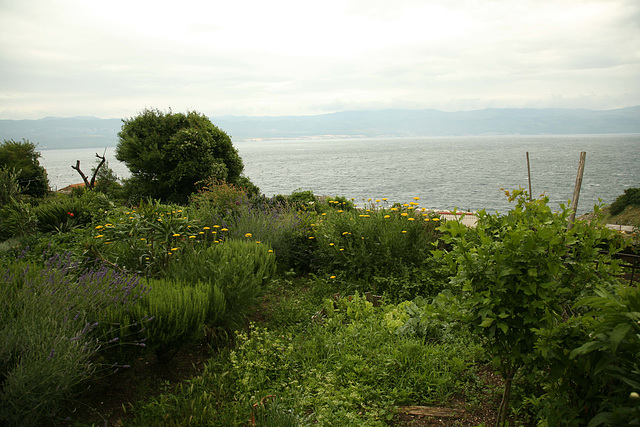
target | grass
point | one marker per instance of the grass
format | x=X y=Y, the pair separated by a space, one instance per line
x=630 y=216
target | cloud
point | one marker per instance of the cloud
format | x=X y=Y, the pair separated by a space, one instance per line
x=286 y=57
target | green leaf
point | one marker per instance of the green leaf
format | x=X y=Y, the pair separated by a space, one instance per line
x=503 y=326
x=488 y=321
x=618 y=333
x=586 y=348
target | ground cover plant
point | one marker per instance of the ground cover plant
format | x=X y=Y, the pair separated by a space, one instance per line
x=351 y=367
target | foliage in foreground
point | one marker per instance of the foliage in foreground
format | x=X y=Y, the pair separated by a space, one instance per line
x=51 y=332
x=520 y=275
x=351 y=368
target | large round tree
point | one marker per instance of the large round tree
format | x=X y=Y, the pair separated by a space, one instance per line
x=168 y=153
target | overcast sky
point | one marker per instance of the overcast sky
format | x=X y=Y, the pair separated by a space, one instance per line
x=111 y=59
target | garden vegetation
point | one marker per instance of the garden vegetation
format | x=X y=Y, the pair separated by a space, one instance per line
x=317 y=310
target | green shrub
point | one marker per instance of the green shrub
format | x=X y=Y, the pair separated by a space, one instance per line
x=631 y=196
x=520 y=273
x=178 y=312
x=17 y=219
x=238 y=269
x=51 y=332
x=284 y=229
x=144 y=240
x=376 y=242
x=9 y=188
x=217 y=200
x=62 y=214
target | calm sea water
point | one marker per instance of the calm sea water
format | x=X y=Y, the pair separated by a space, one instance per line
x=445 y=172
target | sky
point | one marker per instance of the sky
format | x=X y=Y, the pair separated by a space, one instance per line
x=113 y=59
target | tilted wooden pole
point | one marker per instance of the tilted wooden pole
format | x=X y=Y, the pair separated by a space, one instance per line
x=576 y=190
x=529 y=174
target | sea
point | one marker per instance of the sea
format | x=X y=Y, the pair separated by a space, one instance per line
x=466 y=173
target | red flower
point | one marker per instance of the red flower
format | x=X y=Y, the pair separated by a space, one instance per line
x=70 y=214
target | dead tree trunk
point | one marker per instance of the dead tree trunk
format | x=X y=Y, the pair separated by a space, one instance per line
x=92 y=183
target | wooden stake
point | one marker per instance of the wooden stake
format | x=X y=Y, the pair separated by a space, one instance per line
x=529 y=174
x=576 y=190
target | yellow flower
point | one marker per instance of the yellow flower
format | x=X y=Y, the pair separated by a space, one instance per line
x=99 y=236
x=405 y=205
x=384 y=199
x=387 y=216
x=176 y=235
x=416 y=198
x=404 y=231
x=247 y=235
x=410 y=219
x=394 y=209
x=130 y=217
x=342 y=249
x=108 y=225
x=311 y=237
x=340 y=211
x=368 y=200
x=174 y=249
x=427 y=219
x=106 y=243
x=345 y=233
x=202 y=232
x=331 y=244
x=257 y=242
x=99 y=227
x=377 y=200
x=436 y=219
x=206 y=228
x=404 y=214
x=413 y=203
x=270 y=251
x=142 y=239
x=332 y=277
x=216 y=226
x=192 y=237
x=224 y=229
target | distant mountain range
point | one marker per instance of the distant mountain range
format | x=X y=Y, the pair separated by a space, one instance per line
x=92 y=132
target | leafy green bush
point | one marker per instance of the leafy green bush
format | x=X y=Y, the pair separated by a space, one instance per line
x=9 y=188
x=237 y=269
x=61 y=214
x=377 y=242
x=178 y=312
x=631 y=196
x=17 y=219
x=520 y=273
x=217 y=200
x=167 y=153
x=144 y=240
x=22 y=157
x=51 y=331
x=284 y=229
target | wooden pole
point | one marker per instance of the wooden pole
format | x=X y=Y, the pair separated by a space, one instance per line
x=576 y=190
x=529 y=174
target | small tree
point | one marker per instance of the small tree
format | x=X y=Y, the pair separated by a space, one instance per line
x=22 y=157
x=168 y=153
x=520 y=273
